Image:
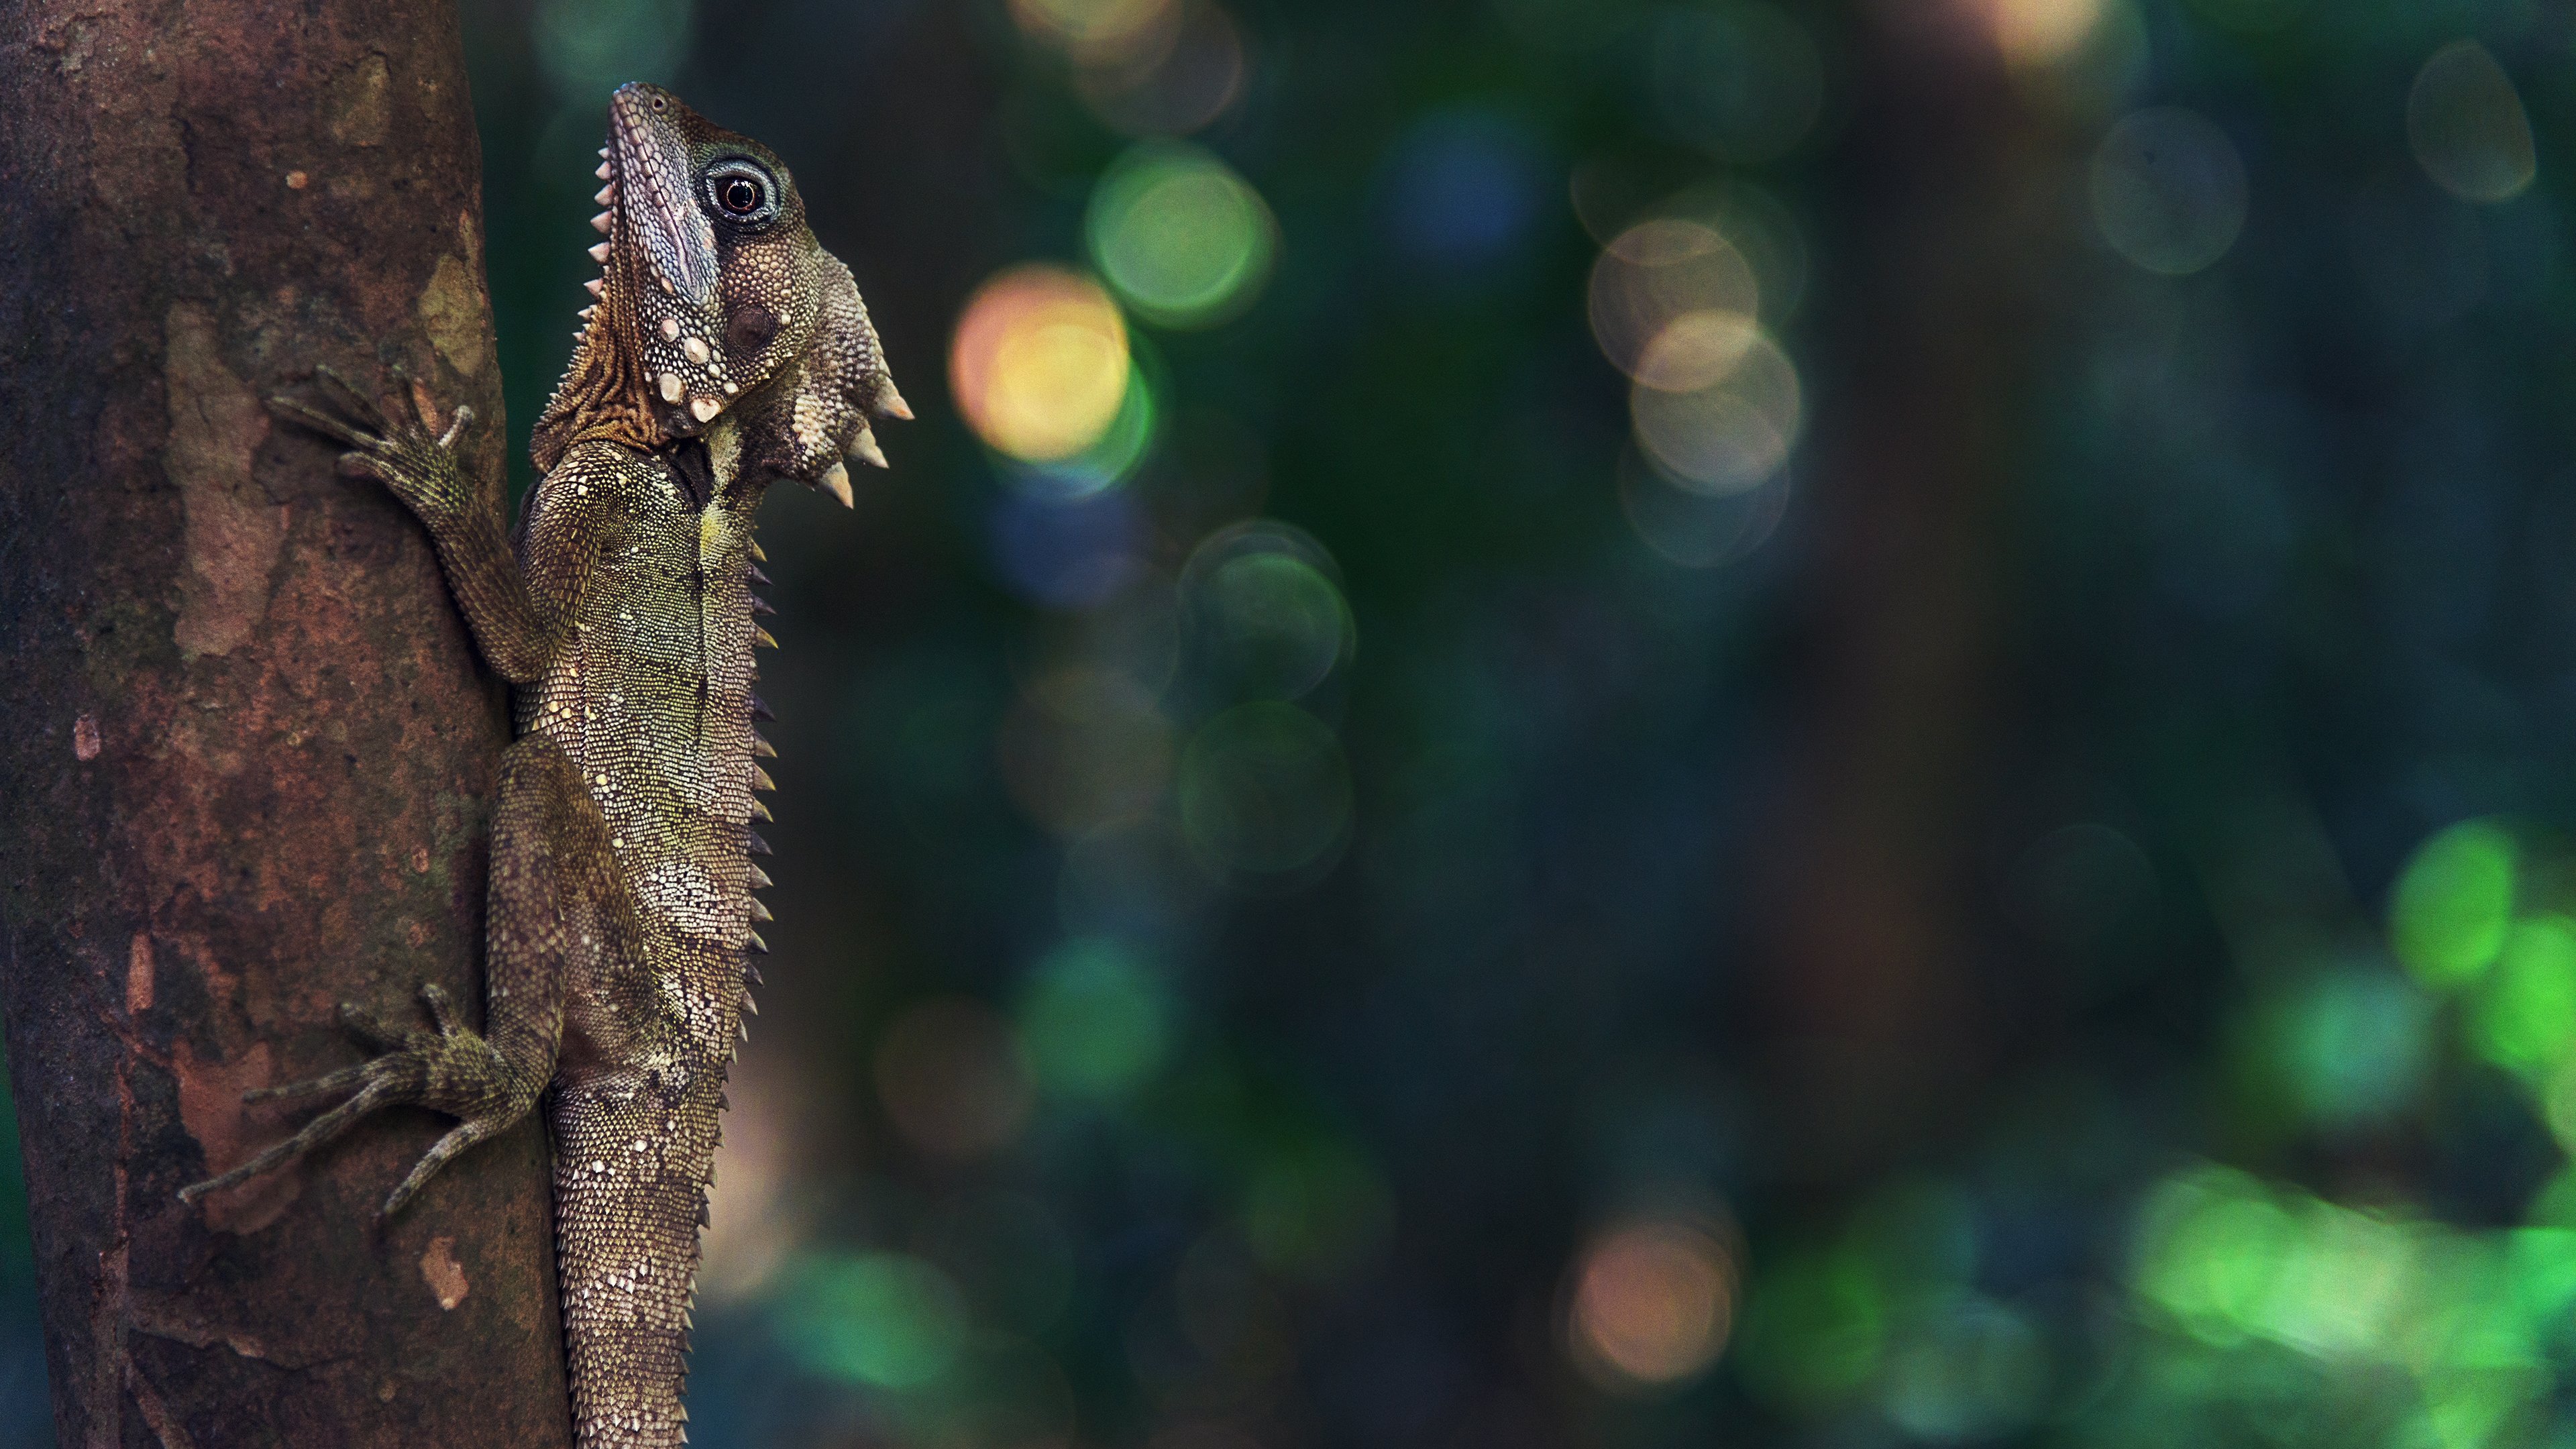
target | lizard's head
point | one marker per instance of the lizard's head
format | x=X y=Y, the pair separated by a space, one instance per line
x=714 y=298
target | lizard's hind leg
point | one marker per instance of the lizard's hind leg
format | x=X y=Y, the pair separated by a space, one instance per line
x=556 y=909
x=450 y=1068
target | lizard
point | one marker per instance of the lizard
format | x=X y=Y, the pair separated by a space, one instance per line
x=723 y=348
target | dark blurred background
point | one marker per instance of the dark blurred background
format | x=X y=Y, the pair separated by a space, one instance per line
x=1598 y=723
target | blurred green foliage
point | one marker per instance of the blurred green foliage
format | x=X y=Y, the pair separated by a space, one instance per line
x=1633 y=723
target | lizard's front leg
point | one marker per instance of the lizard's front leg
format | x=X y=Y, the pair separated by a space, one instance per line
x=560 y=916
x=417 y=463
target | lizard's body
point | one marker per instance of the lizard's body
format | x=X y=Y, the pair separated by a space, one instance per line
x=726 y=349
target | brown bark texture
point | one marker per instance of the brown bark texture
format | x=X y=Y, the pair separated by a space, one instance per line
x=249 y=745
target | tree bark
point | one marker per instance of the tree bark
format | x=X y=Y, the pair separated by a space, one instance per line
x=250 y=744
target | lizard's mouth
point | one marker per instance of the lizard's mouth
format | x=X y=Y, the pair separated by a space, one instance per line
x=659 y=262
x=650 y=194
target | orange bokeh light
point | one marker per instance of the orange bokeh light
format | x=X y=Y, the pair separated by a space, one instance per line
x=1040 y=363
x=1653 y=1303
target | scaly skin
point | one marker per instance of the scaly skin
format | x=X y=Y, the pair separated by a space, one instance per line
x=726 y=348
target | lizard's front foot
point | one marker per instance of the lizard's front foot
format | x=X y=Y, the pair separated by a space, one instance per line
x=409 y=454
x=450 y=1069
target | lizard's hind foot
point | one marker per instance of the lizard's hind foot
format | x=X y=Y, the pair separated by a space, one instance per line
x=450 y=1069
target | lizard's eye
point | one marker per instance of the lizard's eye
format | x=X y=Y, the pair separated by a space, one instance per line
x=742 y=193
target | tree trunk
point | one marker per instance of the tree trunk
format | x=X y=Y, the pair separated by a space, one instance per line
x=1944 y=189
x=250 y=745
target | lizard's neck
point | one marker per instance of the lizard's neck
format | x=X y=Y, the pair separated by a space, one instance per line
x=603 y=394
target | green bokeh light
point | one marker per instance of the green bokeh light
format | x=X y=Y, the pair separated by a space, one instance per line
x=1094 y=1023
x=1264 y=791
x=1182 y=239
x=1814 y=1330
x=2554 y=1206
x=2454 y=903
x=2352 y=1046
x=2523 y=1016
x=2208 y=1244
x=2474 y=1321
x=1313 y=1209
x=1281 y=625
x=883 y=1319
x=1969 y=1369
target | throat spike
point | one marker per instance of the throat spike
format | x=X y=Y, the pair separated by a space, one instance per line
x=864 y=448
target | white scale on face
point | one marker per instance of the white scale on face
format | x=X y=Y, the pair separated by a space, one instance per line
x=684 y=365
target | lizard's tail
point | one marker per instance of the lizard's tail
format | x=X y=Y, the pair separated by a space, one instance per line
x=633 y=1158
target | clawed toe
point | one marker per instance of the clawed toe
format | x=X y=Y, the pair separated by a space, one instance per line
x=442 y=1007
x=350 y=399
x=464 y=1135
x=369 y=1028
x=378 y=1089
x=329 y=1082
x=350 y=416
x=335 y=428
x=415 y=396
